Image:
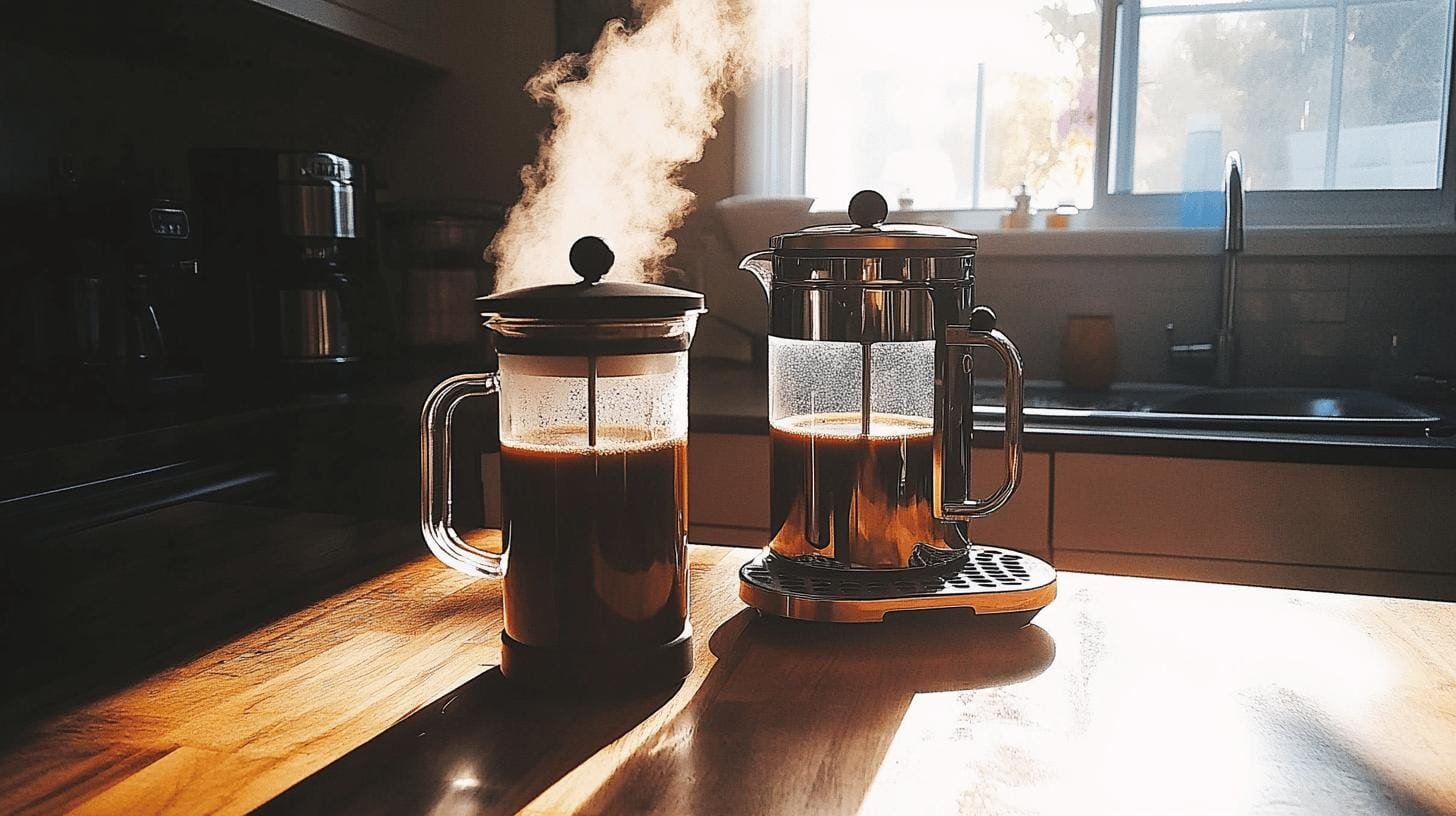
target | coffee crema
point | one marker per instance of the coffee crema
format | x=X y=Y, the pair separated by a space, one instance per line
x=596 y=539
x=861 y=499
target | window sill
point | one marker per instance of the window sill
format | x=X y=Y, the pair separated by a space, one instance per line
x=1086 y=238
x=1259 y=241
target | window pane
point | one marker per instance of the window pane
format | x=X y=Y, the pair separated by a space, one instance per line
x=1260 y=82
x=1255 y=81
x=1394 y=83
x=892 y=101
x=1153 y=4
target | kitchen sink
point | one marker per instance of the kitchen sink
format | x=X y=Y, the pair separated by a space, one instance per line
x=1303 y=403
x=1292 y=410
x=1303 y=409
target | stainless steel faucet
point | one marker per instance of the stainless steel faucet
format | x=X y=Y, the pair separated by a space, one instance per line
x=1222 y=351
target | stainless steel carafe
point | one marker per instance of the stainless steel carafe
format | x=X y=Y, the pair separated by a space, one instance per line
x=870 y=375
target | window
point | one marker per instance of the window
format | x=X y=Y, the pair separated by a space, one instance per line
x=1339 y=107
x=985 y=99
x=1317 y=94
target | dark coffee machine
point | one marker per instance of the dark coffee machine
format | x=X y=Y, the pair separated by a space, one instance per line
x=284 y=252
x=114 y=299
x=151 y=304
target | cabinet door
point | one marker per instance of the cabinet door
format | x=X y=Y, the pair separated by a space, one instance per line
x=1021 y=524
x=728 y=489
x=728 y=502
x=406 y=28
x=1318 y=515
x=406 y=15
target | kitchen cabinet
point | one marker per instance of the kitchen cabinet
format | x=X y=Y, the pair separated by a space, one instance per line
x=1338 y=527
x=1343 y=528
x=728 y=501
x=728 y=489
x=405 y=28
x=1023 y=523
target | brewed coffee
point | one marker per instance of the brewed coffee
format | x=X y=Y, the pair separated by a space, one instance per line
x=596 y=539
x=863 y=500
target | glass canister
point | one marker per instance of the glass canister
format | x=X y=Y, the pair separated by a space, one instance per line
x=870 y=376
x=593 y=431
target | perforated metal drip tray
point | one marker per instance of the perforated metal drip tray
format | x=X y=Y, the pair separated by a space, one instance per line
x=990 y=580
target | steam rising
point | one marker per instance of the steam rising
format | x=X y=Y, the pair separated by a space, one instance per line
x=620 y=136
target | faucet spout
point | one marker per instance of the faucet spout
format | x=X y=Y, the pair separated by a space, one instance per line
x=1233 y=202
x=1224 y=344
x=1223 y=351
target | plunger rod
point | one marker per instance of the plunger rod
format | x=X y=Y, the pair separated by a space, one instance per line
x=864 y=396
x=591 y=400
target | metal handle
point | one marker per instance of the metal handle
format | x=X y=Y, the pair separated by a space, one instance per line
x=435 y=488
x=950 y=409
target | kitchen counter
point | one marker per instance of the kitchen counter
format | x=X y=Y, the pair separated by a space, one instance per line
x=1127 y=695
x=732 y=398
x=337 y=452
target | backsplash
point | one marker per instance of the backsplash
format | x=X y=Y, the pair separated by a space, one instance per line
x=1305 y=321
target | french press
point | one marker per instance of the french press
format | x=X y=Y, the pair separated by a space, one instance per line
x=593 y=394
x=871 y=327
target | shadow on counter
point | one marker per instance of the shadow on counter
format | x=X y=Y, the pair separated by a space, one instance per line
x=789 y=714
x=797 y=717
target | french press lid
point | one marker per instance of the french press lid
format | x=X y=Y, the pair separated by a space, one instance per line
x=868 y=235
x=592 y=316
x=592 y=298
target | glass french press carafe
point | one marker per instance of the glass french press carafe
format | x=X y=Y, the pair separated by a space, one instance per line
x=871 y=327
x=593 y=431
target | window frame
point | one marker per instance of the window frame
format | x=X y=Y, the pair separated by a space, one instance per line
x=773 y=107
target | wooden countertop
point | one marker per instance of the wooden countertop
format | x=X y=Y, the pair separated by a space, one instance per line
x=1128 y=695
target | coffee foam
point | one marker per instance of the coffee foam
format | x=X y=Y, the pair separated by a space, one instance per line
x=608 y=365
x=849 y=424
x=573 y=440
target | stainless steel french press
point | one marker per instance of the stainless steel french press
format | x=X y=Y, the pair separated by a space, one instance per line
x=871 y=327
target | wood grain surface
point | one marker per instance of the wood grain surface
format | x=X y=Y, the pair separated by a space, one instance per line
x=96 y=611
x=1128 y=695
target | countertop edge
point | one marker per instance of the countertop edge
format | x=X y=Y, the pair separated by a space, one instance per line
x=1188 y=444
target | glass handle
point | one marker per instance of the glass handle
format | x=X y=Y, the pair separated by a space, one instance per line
x=435 y=488
x=952 y=403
